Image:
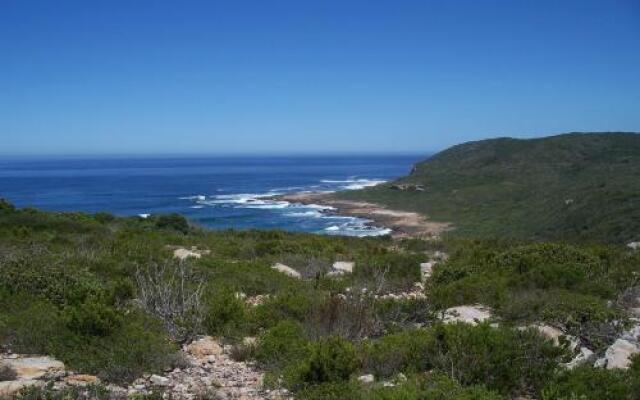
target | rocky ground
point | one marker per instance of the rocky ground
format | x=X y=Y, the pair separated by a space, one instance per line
x=209 y=373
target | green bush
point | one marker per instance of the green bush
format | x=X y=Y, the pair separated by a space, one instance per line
x=6 y=206
x=285 y=343
x=224 y=313
x=593 y=384
x=93 y=318
x=330 y=360
x=175 y=222
x=405 y=352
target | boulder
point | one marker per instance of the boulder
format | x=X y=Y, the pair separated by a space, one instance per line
x=369 y=378
x=634 y=245
x=158 y=380
x=287 y=270
x=583 y=357
x=182 y=253
x=204 y=347
x=344 y=266
x=11 y=388
x=467 y=314
x=81 y=380
x=426 y=269
x=619 y=354
x=28 y=368
x=557 y=336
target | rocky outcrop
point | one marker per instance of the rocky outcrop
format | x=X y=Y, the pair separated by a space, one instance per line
x=581 y=354
x=11 y=388
x=27 y=368
x=182 y=253
x=618 y=355
x=36 y=371
x=211 y=372
x=426 y=270
x=344 y=266
x=287 y=270
x=473 y=315
x=634 y=245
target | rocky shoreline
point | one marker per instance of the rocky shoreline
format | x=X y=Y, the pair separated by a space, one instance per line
x=402 y=224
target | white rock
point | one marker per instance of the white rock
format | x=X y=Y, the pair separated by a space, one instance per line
x=468 y=314
x=204 y=347
x=426 y=269
x=287 y=270
x=618 y=355
x=634 y=245
x=583 y=356
x=344 y=266
x=34 y=367
x=160 y=380
x=11 y=388
x=335 y=273
x=369 y=378
x=182 y=253
x=557 y=336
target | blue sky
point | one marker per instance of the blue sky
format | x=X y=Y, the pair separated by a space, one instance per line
x=121 y=77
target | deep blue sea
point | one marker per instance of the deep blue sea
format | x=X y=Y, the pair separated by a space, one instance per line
x=214 y=192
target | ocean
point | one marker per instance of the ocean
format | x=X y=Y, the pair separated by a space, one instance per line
x=214 y=192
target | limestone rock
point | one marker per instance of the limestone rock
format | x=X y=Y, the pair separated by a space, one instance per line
x=344 y=266
x=369 y=378
x=182 y=253
x=11 y=388
x=467 y=314
x=81 y=380
x=34 y=367
x=159 y=380
x=557 y=336
x=634 y=245
x=619 y=354
x=426 y=270
x=204 y=347
x=287 y=270
x=583 y=357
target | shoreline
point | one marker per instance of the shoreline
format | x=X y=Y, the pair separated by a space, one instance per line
x=403 y=224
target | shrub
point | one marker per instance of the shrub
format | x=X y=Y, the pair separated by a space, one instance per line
x=352 y=317
x=285 y=343
x=6 y=206
x=224 y=313
x=331 y=360
x=591 y=383
x=104 y=218
x=407 y=351
x=503 y=359
x=290 y=303
x=171 y=292
x=175 y=222
x=93 y=318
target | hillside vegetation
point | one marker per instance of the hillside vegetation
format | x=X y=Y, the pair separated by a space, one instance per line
x=568 y=187
x=80 y=288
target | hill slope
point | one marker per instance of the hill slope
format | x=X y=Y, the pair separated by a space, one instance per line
x=574 y=186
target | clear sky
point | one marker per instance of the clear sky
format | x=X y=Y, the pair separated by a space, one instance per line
x=86 y=77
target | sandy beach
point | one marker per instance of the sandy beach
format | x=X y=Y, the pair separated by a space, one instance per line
x=402 y=223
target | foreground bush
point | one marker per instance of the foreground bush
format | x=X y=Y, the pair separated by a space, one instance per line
x=503 y=359
x=423 y=387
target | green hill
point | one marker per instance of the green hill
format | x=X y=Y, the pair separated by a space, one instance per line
x=577 y=186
